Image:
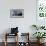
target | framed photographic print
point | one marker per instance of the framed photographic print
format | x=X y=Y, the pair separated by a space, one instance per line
x=17 y=13
x=41 y=12
x=41 y=8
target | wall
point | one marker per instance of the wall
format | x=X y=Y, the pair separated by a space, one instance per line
x=24 y=24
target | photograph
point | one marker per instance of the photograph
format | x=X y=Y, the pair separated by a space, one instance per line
x=17 y=13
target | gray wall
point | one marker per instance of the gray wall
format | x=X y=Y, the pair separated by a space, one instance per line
x=24 y=24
